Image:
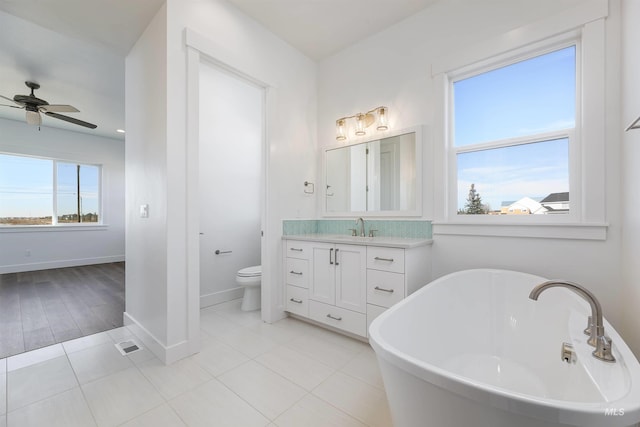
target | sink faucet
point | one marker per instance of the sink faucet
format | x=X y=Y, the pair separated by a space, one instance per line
x=597 y=339
x=361 y=222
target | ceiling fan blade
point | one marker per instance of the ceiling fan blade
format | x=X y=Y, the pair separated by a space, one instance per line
x=33 y=118
x=12 y=106
x=59 y=109
x=71 y=120
x=9 y=99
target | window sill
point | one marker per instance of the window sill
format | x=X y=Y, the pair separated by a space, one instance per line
x=575 y=231
x=48 y=228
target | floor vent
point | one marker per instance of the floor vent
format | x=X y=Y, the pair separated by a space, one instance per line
x=127 y=347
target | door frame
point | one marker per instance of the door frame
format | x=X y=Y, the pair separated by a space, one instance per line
x=200 y=49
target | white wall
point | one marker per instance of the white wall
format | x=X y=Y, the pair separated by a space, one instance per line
x=230 y=168
x=630 y=171
x=146 y=169
x=157 y=174
x=64 y=247
x=393 y=68
x=241 y=43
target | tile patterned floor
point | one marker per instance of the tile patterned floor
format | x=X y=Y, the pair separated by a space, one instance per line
x=249 y=373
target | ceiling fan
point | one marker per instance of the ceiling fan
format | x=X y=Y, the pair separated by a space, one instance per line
x=34 y=106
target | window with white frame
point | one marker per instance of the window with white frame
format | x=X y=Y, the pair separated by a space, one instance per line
x=513 y=134
x=40 y=191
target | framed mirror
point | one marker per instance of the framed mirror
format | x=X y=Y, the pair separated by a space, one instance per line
x=380 y=177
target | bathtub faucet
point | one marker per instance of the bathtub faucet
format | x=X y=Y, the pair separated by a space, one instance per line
x=597 y=339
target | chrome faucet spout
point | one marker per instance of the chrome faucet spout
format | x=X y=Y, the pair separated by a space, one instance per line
x=361 y=222
x=598 y=339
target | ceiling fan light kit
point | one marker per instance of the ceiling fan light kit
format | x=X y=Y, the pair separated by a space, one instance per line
x=33 y=106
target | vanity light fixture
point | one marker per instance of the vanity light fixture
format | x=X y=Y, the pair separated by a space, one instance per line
x=362 y=122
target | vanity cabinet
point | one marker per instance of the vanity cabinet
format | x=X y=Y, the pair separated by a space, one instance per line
x=338 y=286
x=297 y=277
x=346 y=286
x=339 y=276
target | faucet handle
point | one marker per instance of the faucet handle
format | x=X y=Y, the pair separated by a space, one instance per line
x=353 y=231
x=588 y=329
x=603 y=349
x=371 y=230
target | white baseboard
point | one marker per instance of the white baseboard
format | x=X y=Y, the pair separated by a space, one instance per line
x=221 y=296
x=46 y=265
x=167 y=354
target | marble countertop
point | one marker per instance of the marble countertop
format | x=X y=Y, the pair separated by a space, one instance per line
x=392 y=242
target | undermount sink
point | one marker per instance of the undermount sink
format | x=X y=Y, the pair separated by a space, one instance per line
x=352 y=238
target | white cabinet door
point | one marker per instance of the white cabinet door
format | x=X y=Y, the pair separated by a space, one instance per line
x=322 y=287
x=351 y=277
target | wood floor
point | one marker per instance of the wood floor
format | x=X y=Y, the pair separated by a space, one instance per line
x=41 y=308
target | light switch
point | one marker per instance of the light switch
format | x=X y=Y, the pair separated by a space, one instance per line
x=144 y=211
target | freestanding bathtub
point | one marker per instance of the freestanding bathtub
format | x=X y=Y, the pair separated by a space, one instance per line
x=472 y=350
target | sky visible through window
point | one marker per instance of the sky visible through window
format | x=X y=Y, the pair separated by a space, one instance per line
x=26 y=187
x=531 y=97
x=68 y=189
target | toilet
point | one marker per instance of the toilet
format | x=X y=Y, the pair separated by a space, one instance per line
x=250 y=279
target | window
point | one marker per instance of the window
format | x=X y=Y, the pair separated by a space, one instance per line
x=513 y=134
x=77 y=193
x=37 y=191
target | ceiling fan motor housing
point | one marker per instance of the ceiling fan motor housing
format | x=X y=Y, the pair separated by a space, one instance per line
x=30 y=100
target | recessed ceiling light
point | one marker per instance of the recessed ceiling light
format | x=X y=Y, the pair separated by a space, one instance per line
x=120 y=130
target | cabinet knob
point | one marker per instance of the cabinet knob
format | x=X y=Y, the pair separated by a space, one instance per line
x=334 y=318
x=297 y=301
x=383 y=259
x=299 y=273
x=378 y=288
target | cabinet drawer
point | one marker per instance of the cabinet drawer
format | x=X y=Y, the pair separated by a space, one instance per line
x=373 y=311
x=384 y=288
x=298 y=249
x=298 y=272
x=386 y=259
x=297 y=300
x=340 y=318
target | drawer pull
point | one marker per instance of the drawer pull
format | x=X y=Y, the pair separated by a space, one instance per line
x=299 y=273
x=295 y=249
x=377 y=288
x=383 y=259
x=334 y=318
x=297 y=301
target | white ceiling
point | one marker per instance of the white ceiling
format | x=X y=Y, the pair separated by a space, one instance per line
x=320 y=28
x=75 y=49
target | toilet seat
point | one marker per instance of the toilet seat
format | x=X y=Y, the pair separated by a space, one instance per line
x=254 y=271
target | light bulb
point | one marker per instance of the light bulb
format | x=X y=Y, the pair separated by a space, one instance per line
x=360 y=125
x=341 y=134
x=382 y=119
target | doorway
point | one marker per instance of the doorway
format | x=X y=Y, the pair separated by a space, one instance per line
x=230 y=157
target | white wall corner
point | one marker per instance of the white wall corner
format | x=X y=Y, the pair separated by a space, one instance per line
x=167 y=354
